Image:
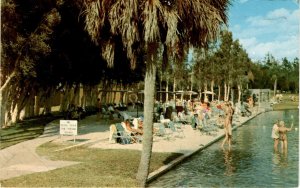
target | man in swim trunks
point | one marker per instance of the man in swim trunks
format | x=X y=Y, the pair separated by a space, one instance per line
x=275 y=135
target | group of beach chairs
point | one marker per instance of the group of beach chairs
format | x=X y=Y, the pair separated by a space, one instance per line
x=168 y=131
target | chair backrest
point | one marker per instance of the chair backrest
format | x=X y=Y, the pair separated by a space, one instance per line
x=135 y=123
x=162 y=129
x=171 y=126
x=119 y=127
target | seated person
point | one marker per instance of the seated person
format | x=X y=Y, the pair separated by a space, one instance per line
x=129 y=129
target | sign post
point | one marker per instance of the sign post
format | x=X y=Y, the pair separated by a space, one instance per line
x=68 y=127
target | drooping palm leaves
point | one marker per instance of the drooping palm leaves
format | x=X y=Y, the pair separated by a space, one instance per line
x=145 y=25
x=139 y=22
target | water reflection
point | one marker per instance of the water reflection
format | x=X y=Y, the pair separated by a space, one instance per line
x=251 y=162
x=229 y=168
x=280 y=159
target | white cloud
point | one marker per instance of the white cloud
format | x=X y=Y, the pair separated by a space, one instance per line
x=277 y=32
x=243 y=1
x=278 y=13
x=286 y=48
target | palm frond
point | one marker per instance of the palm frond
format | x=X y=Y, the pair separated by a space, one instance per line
x=150 y=12
x=108 y=52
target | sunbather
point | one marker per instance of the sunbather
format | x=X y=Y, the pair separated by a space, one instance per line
x=128 y=128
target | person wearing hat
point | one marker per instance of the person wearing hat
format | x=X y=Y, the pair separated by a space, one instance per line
x=282 y=135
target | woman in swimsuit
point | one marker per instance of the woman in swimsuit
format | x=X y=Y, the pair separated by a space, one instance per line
x=228 y=124
x=282 y=135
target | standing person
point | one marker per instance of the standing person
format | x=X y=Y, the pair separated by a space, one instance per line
x=282 y=135
x=227 y=124
x=275 y=135
x=195 y=121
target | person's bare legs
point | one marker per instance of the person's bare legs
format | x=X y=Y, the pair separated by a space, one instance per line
x=285 y=144
x=229 y=141
x=225 y=139
x=226 y=132
x=282 y=145
x=276 y=141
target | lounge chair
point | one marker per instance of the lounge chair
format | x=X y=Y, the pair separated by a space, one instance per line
x=125 y=138
x=125 y=116
x=162 y=131
x=176 y=128
x=135 y=138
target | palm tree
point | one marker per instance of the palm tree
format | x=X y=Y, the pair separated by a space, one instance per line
x=141 y=27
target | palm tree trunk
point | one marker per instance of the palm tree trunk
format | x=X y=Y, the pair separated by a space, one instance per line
x=174 y=89
x=212 y=83
x=191 y=86
x=160 y=88
x=205 y=91
x=37 y=105
x=228 y=92
x=149 y=91
x=200 y=93
x=225 y=91
x=219 y=92
x=167 y=90
x=275 y=86
x=240 y=93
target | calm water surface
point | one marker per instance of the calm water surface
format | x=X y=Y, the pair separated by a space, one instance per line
x=250 y=163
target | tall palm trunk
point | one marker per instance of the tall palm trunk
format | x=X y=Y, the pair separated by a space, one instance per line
x=219 y=92
x=275 y=86
x=240 y=93
x=37 y=103
x=225 y=91
x=205 y=91
x=167 y=90
x=174 y=89
x=228 y=92
x=191 y=86
x=143 y=169
x=200 y=93
x=212 y=83
x=160 y=88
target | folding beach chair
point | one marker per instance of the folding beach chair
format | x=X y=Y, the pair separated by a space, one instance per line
x=162 y=131
x=176 y=128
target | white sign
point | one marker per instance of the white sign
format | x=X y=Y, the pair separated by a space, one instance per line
x=68 y=127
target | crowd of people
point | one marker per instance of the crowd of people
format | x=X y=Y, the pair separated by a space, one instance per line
x=196 y=114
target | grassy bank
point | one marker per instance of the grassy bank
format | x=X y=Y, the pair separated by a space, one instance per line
x=97 y=167
x=23 y=131
x=287 y=103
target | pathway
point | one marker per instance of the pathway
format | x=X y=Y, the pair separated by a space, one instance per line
x=21 y=159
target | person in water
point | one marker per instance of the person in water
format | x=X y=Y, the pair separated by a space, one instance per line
x=228 y=124
x=282 y=135
x=275 y=135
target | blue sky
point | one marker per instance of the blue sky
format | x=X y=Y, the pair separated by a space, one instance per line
x=263 y=26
